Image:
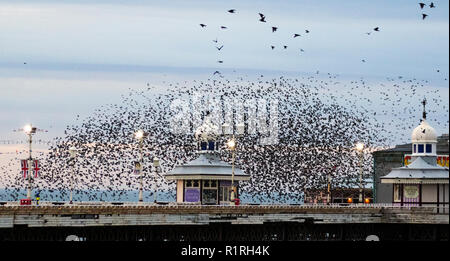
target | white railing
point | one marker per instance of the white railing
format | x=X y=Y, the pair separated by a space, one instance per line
x=442 y=209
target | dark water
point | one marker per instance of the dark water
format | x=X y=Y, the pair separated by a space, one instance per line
x=122 y=196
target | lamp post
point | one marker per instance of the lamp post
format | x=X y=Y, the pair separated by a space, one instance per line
x=156 y=165
x=29 y=130
x=360 y=148
x=231 y=144
x=73 y=153
x=329 y=184
x=140 y=135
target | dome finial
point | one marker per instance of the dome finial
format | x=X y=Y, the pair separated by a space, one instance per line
x=424 y=114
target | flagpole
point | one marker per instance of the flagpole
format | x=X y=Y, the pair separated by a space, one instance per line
x=30 y=163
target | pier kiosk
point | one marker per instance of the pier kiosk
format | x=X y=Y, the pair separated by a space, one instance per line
x=422 y=182
x=207 y=179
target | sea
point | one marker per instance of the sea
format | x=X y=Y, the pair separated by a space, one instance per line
x=127 y=196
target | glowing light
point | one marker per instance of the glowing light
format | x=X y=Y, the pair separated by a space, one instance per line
x=360 y=146
x=231 y=144
x=27 y=128
x=139 y=134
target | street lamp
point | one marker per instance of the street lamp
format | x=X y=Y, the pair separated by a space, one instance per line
x=29 y=130
x=156 y=165
x=329 y=185
x=73 y=154
x=360 y=148
x=231 y=144
x=140 y=135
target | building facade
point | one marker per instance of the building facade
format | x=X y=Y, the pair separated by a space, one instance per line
x=386 y=160
x=421 y=180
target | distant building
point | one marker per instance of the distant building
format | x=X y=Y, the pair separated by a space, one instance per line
x=339 y=195
x=415 y=173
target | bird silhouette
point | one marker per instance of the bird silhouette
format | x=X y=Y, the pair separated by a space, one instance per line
x=232 y=11
x=262 y=18
x=432 y=5
x=421 y=5
x=296 y=35
x=202 y=25
x=423 y=16
x=274 y=29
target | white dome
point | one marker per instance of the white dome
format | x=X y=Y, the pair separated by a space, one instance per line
x=424 y=133
x=208 y=131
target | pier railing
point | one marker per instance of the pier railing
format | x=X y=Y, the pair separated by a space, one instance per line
x=175 y=208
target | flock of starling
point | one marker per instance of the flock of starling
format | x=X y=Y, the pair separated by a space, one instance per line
x=317 y=128
x=262 y=18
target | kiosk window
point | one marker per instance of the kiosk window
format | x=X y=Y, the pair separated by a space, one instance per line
x=420 y=148
x=210 y=183
x=209 y=196
x=192 y=184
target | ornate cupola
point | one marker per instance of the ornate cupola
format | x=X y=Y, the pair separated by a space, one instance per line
x=424 y=137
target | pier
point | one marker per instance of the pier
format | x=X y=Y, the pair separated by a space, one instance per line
x=175 y=222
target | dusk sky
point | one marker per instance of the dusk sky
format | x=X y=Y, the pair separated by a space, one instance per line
x=80 y=55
